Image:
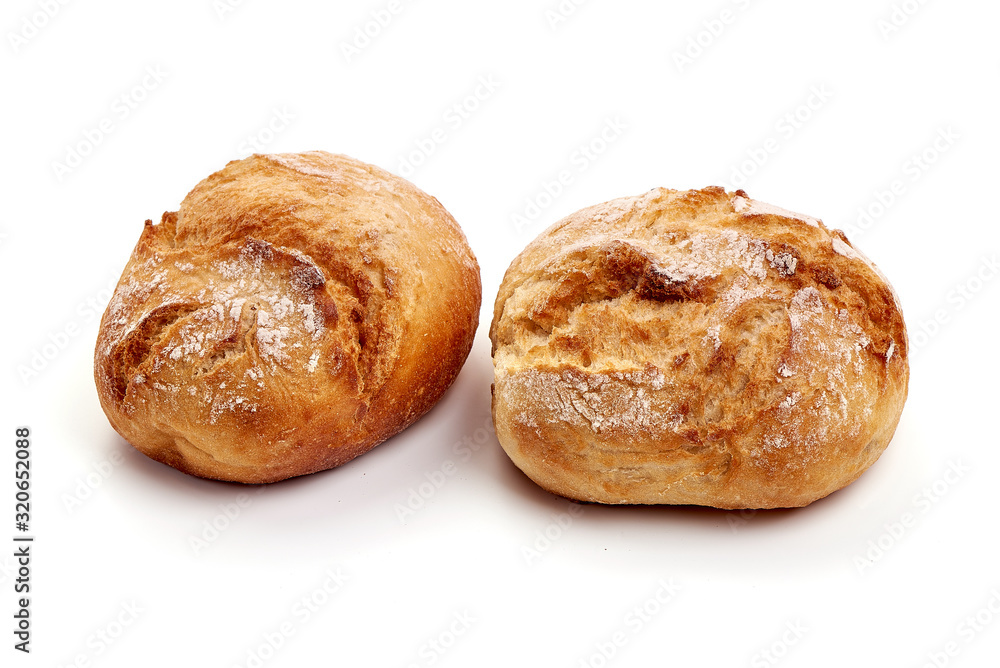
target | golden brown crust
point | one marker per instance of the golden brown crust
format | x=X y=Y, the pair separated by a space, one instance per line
x=296 y=311
x=695 y=348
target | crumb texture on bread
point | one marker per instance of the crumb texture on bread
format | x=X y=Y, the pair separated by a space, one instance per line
x=696 y=347
x=294 y=312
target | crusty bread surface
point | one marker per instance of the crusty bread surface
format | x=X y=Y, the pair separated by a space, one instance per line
x=696 y=347
x=297 y=310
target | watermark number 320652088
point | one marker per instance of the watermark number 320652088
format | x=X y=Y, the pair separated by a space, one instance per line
x=22 y=541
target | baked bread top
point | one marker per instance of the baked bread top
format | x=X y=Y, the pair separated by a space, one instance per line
x=295 y=311
x=696 y=347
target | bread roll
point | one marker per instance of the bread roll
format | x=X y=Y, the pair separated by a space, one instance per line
x=296 y=311
x=698 y=348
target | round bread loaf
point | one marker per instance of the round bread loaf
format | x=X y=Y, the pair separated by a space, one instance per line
x=698 y=348
x=296 y=311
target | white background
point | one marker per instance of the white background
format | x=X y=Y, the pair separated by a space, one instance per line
x=114 y=556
